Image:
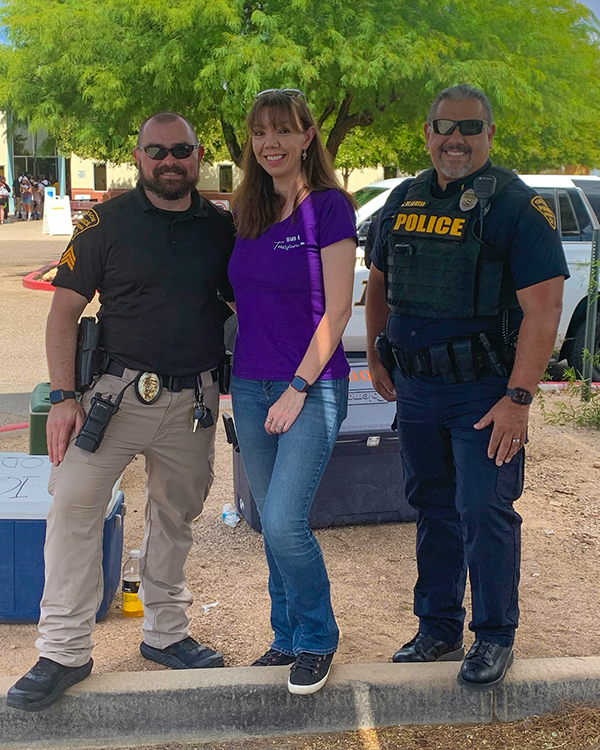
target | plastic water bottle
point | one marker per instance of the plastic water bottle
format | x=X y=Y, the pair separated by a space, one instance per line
x=132 y=606
x=230 y=515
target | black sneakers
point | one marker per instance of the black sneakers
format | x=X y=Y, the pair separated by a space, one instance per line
x=425 y=648
x=44 y=684
x=273 y=658
x=185 y=654
x=309 y=673
x=485 y=665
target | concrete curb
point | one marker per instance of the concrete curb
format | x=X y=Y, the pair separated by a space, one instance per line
x=202 y=705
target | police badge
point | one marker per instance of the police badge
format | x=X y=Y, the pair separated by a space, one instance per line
x=148 y=387
x=468 y=200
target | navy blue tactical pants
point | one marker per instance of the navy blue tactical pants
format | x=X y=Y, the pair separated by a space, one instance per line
x=465 y=505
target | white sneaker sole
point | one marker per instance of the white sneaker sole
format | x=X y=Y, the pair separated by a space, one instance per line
x=308 y=689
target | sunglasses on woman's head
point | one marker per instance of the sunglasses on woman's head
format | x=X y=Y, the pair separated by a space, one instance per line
x=181 y=151
x=287 y=92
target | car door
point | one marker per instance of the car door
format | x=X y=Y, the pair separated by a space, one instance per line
x=575 y=227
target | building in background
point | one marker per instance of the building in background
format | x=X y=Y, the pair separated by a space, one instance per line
x=25 y=152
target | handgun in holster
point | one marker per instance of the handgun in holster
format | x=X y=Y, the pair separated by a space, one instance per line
x=89 y=358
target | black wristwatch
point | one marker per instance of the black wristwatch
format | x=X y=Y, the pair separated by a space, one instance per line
x=520 y=396
x=57 y=397
x=299 y=384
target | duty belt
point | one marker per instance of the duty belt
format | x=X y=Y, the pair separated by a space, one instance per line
x=460 y=361
x=172 y=383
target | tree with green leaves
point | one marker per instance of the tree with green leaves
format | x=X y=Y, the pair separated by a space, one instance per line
x=89 y=71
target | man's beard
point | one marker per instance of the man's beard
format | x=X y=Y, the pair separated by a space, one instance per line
x=456 y=171
x=161 y=185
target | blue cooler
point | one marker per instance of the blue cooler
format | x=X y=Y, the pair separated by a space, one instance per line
x=363 y=482
x=24 y=505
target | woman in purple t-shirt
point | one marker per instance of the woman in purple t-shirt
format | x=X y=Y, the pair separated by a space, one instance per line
x=292 y=270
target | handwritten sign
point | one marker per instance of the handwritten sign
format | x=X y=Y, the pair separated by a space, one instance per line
x=24 y=486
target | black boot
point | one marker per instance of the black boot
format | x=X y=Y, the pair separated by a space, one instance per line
x=485 y=665
x=425 y=648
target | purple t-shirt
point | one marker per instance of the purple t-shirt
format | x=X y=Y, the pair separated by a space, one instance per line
x=278 y=284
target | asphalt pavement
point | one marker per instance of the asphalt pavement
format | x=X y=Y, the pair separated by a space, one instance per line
x=23 y=312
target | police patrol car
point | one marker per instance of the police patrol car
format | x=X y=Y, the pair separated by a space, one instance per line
x=573 y=200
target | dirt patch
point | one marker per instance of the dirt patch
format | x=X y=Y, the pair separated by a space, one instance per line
x=372 y=568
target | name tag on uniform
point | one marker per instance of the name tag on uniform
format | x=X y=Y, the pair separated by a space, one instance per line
x=449 y=225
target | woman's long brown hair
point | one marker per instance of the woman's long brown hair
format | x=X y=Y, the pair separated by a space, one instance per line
x=256 y=205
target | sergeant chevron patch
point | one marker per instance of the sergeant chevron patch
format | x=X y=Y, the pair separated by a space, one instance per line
x=68 y=258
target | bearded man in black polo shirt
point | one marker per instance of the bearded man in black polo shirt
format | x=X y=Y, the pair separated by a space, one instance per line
x=158 y=257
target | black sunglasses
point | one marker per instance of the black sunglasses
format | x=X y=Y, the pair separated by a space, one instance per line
x=287 y=92
x=181 y=151
x=466 y=127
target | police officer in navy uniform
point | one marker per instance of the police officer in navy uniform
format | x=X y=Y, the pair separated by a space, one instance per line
x=467 y=279
x=158 y=256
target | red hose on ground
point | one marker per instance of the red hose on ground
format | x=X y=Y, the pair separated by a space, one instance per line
x=15 y=426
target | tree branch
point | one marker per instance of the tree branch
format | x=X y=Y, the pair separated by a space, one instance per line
x=326 y=112
x=344 y=123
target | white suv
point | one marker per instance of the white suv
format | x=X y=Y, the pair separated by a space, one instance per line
x=576 y=220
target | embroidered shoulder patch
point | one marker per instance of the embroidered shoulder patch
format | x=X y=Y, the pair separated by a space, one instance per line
x=89 y=220
x=538 y=202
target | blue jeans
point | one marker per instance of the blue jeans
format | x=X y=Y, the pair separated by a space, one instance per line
x=465 y=505
x=284 y=472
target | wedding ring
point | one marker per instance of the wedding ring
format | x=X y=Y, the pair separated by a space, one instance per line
x=268 y=420
x=516 y=440
x=279 y=428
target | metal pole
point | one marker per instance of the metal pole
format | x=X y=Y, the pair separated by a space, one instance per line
x=62 y=176
x=10 y=175
x=591 y=320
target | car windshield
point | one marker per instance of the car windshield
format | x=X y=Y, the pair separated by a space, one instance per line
x=364 y=195
x=591 y=188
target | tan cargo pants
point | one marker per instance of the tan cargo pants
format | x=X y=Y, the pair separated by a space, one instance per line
x=179 y=469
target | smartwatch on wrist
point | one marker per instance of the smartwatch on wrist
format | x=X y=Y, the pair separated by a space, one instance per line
x=520 y=396
x=299 y=384
x=57 y=397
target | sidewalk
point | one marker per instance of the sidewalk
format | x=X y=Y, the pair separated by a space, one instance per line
x=202 y=705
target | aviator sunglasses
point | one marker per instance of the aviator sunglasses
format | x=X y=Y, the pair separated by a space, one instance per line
x=181 y=151
x=287 y=92
x=466 y=127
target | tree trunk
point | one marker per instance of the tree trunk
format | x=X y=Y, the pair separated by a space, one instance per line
x=346 y=176
x=231 y=141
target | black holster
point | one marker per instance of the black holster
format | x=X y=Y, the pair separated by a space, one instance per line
x=385 y=352
x=90 y=360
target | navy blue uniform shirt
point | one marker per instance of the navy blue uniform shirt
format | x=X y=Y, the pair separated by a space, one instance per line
x=512 y=222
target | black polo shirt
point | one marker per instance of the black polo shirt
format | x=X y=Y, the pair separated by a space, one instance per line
x=157 y=274
x=513 y=222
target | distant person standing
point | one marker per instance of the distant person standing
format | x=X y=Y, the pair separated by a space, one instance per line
x=26 y=197
x=37 y=195
x=16 y=189
x=4 y=198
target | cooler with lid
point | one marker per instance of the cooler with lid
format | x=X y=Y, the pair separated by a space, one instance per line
x=364 y=481
x=24 y=505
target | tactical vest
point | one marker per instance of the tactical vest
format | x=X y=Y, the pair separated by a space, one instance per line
x=436 y=265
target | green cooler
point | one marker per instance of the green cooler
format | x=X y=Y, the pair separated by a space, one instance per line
x=39 y=406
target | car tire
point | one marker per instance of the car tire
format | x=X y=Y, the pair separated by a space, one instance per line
x=576 y=359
